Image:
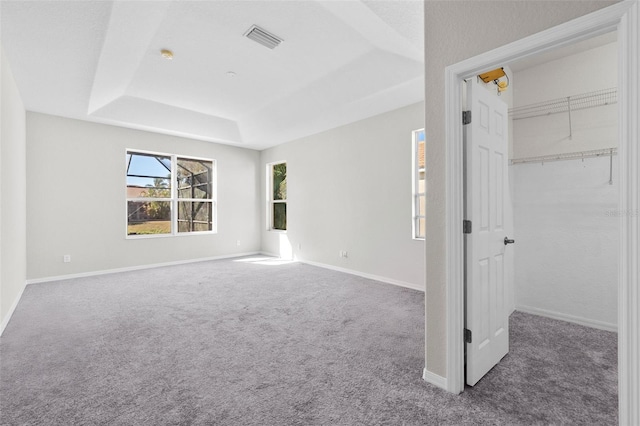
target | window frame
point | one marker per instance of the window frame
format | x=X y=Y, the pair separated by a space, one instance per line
x=173 y=200
x=415 y=184
x=270 y=201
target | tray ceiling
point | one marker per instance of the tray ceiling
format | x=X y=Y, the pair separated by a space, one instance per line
x=340 y=61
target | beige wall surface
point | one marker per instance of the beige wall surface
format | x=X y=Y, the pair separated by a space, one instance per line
x=76 y=199
x=13 y=252
x=454 y=31
x=349 y=189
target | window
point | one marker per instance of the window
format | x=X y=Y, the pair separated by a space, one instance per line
x=277 y=178
x=419 y=185
x=169 y=194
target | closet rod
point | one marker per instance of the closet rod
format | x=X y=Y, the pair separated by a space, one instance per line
x=566 y=156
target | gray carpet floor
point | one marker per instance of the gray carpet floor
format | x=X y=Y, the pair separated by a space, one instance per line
x=247 y=343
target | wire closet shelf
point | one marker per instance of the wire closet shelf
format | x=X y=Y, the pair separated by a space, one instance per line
x=567 y=104
x=567 y=156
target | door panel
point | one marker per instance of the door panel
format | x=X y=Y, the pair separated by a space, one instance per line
x=486 y=186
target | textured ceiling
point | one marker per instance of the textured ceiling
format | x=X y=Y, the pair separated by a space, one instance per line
x=340 y=61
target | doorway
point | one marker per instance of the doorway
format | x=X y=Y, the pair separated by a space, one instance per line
x=563 y=187
x=624 y=18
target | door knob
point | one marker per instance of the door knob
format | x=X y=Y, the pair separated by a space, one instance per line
x=508 y=241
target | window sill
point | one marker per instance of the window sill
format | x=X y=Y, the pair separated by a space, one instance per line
x=277 y=231
x=181 y=234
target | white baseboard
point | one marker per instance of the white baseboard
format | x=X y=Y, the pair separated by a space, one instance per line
x=569 y=318
x=434 y=379
x=365 y=275
x=14 y=305
x=136 y=268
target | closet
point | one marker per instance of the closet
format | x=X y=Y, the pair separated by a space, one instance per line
x=563 y=183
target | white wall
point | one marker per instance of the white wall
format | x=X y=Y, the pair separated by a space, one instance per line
x=567 y=241
x=455 y=31
x=76 y=199
x=566 y=263
x=12 y=194
x=350 y=189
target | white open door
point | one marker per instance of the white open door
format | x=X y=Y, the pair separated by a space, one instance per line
x=487 y=317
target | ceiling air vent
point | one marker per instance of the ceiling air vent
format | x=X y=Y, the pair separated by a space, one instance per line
x=263 y=37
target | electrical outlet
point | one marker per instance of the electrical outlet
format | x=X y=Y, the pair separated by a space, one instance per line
x=238 y=243
x=345 y=254
x=342 y=253
x=66 y=258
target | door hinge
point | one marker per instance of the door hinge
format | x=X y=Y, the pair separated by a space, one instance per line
x=466 y=226
x=466 y=117
x=467 y=335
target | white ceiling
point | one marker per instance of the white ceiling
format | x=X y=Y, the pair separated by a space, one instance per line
x=341 y=61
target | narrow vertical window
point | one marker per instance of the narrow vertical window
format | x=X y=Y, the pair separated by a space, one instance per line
x=278 y=196
x=419 y=185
